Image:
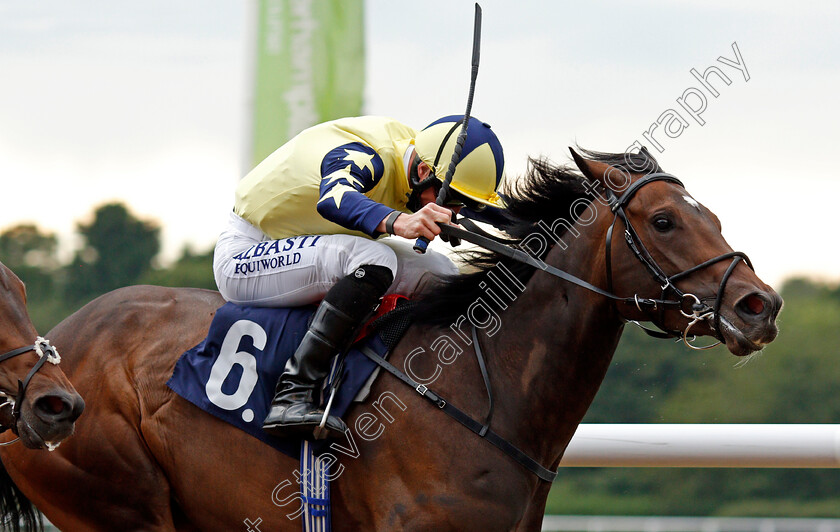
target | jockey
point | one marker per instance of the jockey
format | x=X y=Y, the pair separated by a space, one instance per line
x=305 y=225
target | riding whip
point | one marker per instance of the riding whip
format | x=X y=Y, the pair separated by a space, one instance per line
x=422 y=243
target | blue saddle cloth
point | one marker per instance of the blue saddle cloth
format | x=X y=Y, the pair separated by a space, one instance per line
x=232 y=373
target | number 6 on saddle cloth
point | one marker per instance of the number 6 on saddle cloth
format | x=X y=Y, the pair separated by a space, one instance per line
x=231 y=374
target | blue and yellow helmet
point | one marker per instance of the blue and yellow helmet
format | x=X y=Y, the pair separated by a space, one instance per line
x=482 y=166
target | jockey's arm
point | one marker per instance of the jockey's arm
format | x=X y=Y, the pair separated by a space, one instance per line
x=342 y=201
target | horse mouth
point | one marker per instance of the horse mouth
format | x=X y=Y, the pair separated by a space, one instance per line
x=736 y=341
x=32 y=438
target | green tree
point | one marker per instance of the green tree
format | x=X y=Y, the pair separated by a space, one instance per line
x=25 y=245
x=193 y=270
x=31 y=254
x=643 y=374
x=118 y=250
x=794 y=380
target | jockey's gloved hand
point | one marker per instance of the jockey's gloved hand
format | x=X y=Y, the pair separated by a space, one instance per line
x=423 y=222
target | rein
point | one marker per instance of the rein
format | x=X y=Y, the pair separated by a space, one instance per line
x=46 y=353
x=699 y=311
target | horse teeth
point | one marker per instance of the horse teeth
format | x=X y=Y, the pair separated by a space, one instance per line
x=52 y=446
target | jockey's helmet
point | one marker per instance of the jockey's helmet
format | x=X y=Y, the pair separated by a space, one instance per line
x=482 y=165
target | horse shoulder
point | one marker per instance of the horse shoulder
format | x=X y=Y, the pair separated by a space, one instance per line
x=136 y=331
x=119 y=351
x=434 y=473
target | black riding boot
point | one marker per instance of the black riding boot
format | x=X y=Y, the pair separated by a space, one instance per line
x=293 y=410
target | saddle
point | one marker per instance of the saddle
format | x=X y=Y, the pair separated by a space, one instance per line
x=231 y=374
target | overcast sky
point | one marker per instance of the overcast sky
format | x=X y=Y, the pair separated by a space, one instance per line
x=146 y=103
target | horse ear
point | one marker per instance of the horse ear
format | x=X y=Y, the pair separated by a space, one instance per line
x=579 y=161
x=593 y=170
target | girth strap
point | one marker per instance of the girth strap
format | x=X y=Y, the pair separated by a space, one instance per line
x=461 y=417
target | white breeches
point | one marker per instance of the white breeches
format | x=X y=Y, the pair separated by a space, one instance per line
x=251 y=269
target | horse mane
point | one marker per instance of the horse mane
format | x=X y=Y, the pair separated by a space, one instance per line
x=18 y=512
x=543 y=194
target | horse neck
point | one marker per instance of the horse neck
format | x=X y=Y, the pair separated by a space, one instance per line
x=553 y=349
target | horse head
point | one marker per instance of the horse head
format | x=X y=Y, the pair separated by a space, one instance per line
x=39 y=403
x=661 y=242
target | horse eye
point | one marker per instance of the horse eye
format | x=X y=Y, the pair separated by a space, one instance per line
x=663 y=224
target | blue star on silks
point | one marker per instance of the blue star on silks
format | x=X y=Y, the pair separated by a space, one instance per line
x=365 y=165
x=347 y=172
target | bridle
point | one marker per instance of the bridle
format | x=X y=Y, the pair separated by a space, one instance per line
x=699 y=311
x=688 y=304
x=46 y=353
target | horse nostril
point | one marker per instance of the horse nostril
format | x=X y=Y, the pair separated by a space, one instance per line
x=51 y=404
x=54 y=407
x=755 y=304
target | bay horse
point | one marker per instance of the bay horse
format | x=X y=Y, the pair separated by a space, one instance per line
x=143 y=458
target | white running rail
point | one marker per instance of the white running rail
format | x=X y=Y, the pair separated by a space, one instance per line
x=704 y=445
x=593 y=523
